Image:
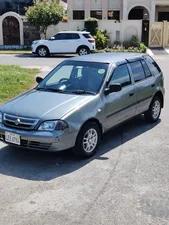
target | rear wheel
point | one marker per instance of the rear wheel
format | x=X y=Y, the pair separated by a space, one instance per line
x=43 y=51
x=83 y=51
x=87 y=140
x=153 y=114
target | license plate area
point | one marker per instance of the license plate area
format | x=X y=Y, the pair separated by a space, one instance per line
x=12 y=138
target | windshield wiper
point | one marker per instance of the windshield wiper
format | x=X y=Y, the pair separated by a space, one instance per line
x=50 y=89
x=81 y=92
x=39 y=89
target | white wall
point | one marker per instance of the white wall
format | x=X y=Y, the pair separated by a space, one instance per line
x=95 y=4
x=145 y=3
x=131 y=27
x=78 y=5
x=114 y=4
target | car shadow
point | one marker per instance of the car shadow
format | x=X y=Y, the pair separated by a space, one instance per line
x=45 y=166
x=29 y=55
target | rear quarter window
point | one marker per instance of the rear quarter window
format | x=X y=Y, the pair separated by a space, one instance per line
x=87 y=36
x=152 y=65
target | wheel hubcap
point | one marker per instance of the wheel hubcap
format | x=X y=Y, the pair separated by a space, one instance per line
x=90 y=140
x=42 y=52
x=83 y=51
x=156 y=109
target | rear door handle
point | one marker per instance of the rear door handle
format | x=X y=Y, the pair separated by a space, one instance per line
x=131 y=94
x=153 y=85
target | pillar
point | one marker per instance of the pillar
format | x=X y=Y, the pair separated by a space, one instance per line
x=105 y=9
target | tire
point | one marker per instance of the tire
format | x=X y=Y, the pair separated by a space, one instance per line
x=43 y=51
x=153 y=114
x=83 y=51
x=85 y=146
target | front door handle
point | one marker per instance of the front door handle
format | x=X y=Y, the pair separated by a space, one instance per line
x=131 y=94
x=153 y=85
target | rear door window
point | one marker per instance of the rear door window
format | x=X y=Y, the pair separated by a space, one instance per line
x=61 y=36
x=152 y=65
x=137 y=70
x=75 y=36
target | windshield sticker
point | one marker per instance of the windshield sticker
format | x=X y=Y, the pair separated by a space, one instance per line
x=101 y=71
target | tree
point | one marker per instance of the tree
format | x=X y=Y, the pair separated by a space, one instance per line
x=43 y=14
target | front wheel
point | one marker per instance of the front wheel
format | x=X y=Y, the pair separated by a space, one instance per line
x=43 y=51
x=87 y=140
x=83 y=51
x=153 y=114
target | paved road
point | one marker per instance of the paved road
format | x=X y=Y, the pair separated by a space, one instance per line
x=125 y=183
x=29 y=60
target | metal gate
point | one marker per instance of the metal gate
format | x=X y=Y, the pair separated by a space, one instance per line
x=159 y=34
x=11 y=31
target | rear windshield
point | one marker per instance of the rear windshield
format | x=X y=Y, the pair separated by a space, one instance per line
x=87 y=35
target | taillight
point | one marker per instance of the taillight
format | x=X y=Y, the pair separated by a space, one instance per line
x=91 y=40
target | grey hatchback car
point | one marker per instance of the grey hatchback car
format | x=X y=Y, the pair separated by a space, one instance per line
x=81 y=99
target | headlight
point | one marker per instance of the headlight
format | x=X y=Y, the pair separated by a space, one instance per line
x=53 y=125
x=35 y=42
x=0 y=117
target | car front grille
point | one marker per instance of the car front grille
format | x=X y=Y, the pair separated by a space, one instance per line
x=31 y=144
x=19 y=122
x=35 y=145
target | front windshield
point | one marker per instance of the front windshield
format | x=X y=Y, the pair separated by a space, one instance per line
x=75 y=77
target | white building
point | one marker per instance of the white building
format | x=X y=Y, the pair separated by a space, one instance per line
x=121 y=18
x=155 y=10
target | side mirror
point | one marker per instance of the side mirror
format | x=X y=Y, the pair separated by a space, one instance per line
x=52 y=38
x=39 y=80
x=113 y=88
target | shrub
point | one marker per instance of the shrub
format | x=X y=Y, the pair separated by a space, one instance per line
x=143 y=48
x=117 y=43
x=102 y=39
x=126 y=44
x=91 y=25
x=134 y=41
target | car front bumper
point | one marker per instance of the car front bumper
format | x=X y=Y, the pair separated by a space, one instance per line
x=33 y=47
x=41 y=140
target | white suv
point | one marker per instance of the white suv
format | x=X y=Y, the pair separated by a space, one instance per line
x=65 y=42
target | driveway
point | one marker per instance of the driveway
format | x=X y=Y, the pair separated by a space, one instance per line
x=125 y=183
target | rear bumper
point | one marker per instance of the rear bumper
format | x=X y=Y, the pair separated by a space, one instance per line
x=43 y=141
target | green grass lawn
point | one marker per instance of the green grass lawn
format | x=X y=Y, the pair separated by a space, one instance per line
x=15 y=51
x=15 y=80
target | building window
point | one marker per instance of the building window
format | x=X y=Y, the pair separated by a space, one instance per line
x=78 y=14
x=113 y=15
x=163 y=16
x=96 y=14
x=17 y=6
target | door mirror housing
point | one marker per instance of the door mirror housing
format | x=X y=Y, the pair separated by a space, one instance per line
x=113 y=88
x=39 y=80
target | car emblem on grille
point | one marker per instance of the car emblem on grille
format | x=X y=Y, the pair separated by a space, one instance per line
x=17 y=122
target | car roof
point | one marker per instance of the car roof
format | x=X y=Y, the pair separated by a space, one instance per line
x=77 y=32
x=114 y=57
